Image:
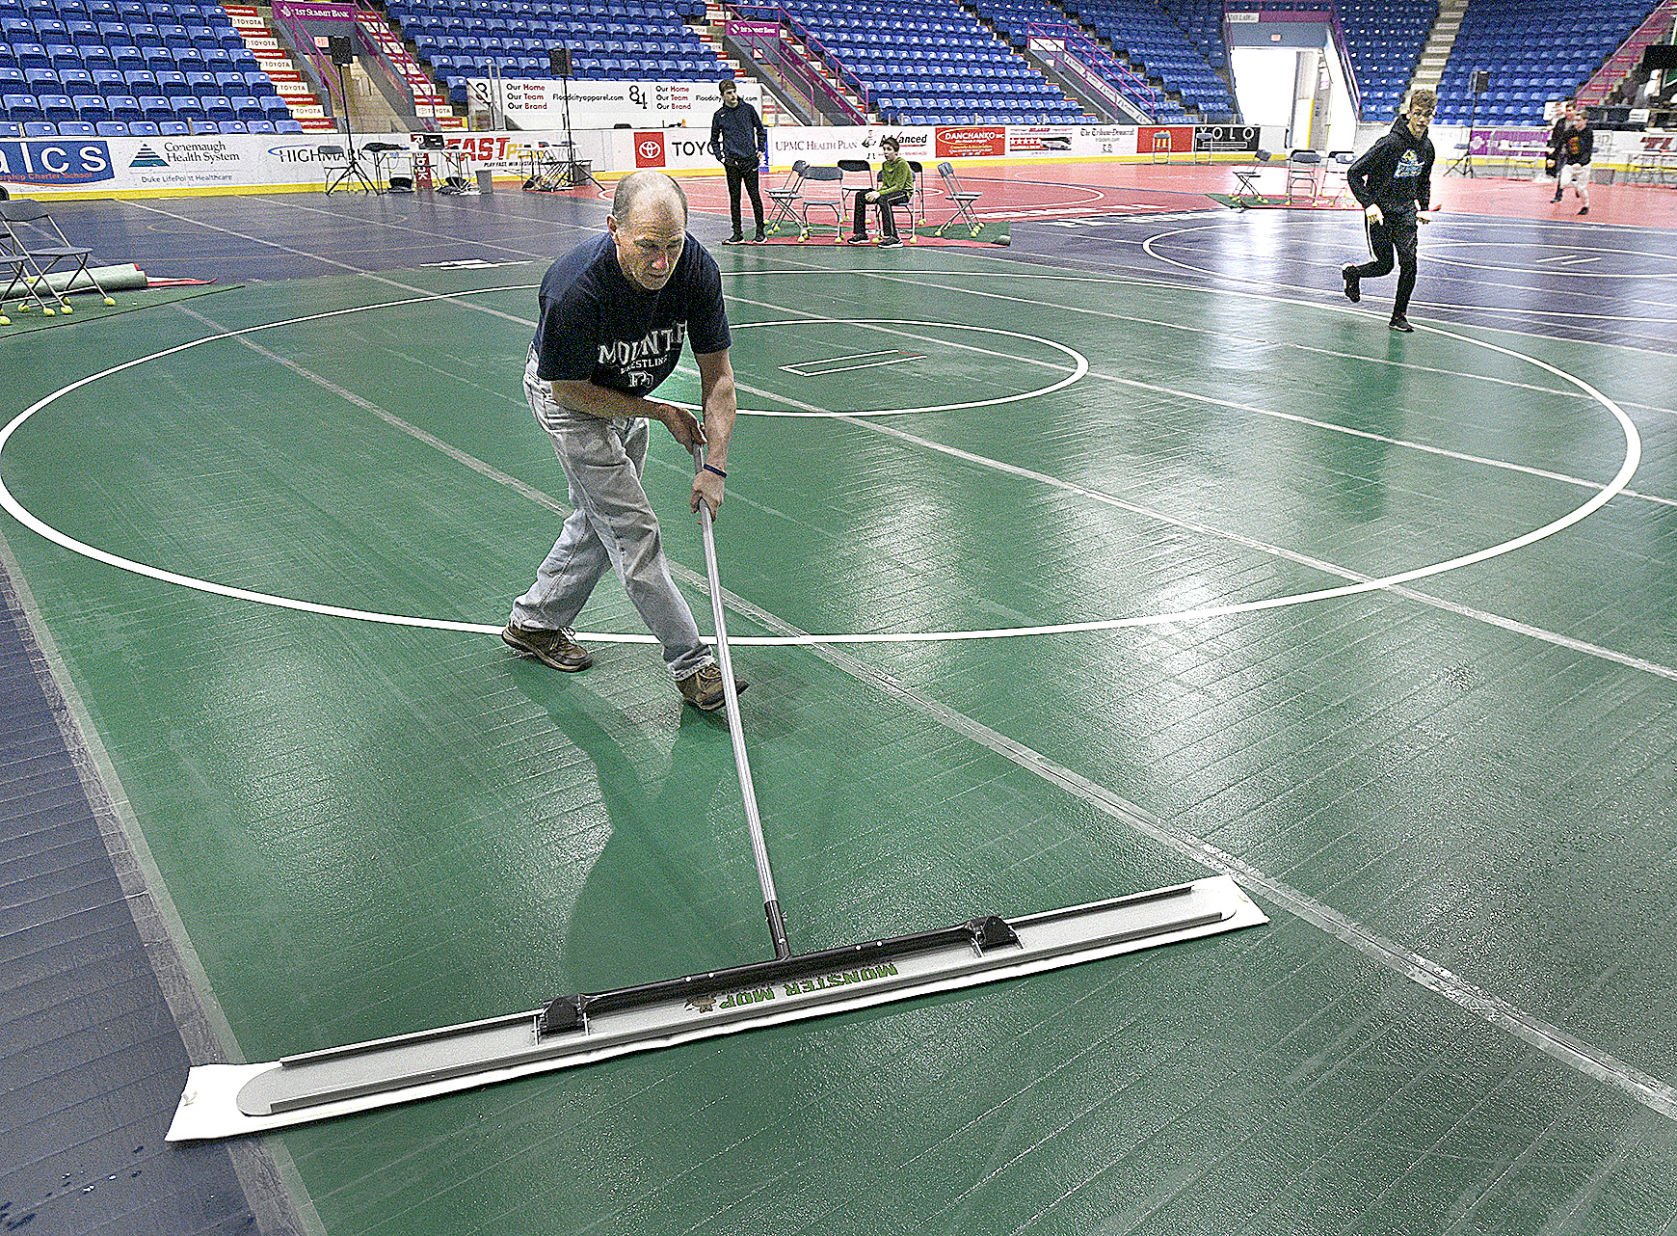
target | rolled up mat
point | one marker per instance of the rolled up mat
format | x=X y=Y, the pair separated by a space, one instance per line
x=125 y=278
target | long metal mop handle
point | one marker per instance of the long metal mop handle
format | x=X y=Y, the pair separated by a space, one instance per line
x=731 y=700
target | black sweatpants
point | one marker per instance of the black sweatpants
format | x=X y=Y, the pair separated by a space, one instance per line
x=1397 y=235
x=887 y=220
x=740 y=172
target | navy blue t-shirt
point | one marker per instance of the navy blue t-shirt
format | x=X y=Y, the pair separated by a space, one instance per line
x=597 y=327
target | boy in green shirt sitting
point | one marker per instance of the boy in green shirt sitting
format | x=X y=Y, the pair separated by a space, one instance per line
x=896 y=184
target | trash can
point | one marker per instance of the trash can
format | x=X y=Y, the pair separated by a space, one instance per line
x=485 y=180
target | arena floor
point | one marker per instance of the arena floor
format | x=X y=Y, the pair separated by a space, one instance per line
x=1133 y=553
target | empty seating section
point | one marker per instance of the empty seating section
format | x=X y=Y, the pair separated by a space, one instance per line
x=1534 y=52
x=1012 y=19
x=1162 y=51
x=609 y=40
x=1202 y=21
x=112 y=68
x=930 y=62
x=1385 y=38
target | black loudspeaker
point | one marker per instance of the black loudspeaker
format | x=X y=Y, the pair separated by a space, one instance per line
x=1662 y=56
x=1481 y=81
x=340 y=49
x=559 y=60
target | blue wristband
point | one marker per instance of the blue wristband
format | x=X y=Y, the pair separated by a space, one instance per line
x=717 y=471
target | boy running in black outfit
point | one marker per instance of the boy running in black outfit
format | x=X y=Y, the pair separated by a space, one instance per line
x=1393 y=184
x=1572 y=159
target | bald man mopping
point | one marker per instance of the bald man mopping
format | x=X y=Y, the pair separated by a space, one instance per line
x=614 y=314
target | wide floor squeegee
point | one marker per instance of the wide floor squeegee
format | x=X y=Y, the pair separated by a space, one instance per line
x=225 y=1100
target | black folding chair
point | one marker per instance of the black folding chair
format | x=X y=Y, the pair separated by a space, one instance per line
x=915 y=203
x=823 y=189
x=1304 y=167
x=19 y=274
x=963 y=200
x=850 y=186
x=784 y=198
x=33 y=237
x=1246 y=182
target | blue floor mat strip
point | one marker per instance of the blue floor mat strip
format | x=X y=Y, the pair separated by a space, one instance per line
x=91 y=1059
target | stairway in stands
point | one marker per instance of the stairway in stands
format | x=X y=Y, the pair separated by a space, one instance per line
x=1624 y=61
x=428 y=101
x=281 y=69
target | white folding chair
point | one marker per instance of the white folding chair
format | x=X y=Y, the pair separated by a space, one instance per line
x=963 y=200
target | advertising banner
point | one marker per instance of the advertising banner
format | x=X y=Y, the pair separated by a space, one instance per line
x=44 y=165
x=977 y=141
x=312 y=10
x=1105 y=139
x=91 y=167
x=538 y=103
x=1213 y=138
x=1500 y=143
x=56 y=163
x=671 y=149
x=825 y=146
x=754 y=29
x=1166 y=139
x=1040 y=139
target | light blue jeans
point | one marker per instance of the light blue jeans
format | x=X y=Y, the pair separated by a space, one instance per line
x=612 y=526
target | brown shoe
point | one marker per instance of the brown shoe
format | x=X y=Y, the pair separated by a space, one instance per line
x=704 y=691
x=555 y=648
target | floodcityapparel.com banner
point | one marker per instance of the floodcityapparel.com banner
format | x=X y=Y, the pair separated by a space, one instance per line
x=539 y=103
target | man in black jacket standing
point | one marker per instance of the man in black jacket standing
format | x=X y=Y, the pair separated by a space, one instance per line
x=1393 y=184
x=738 y=138
x=1552 y=161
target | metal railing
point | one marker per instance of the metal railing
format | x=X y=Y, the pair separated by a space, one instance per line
x=799 y=77
x=1069 y=51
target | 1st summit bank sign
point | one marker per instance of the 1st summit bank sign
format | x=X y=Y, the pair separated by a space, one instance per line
x=67 y=162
